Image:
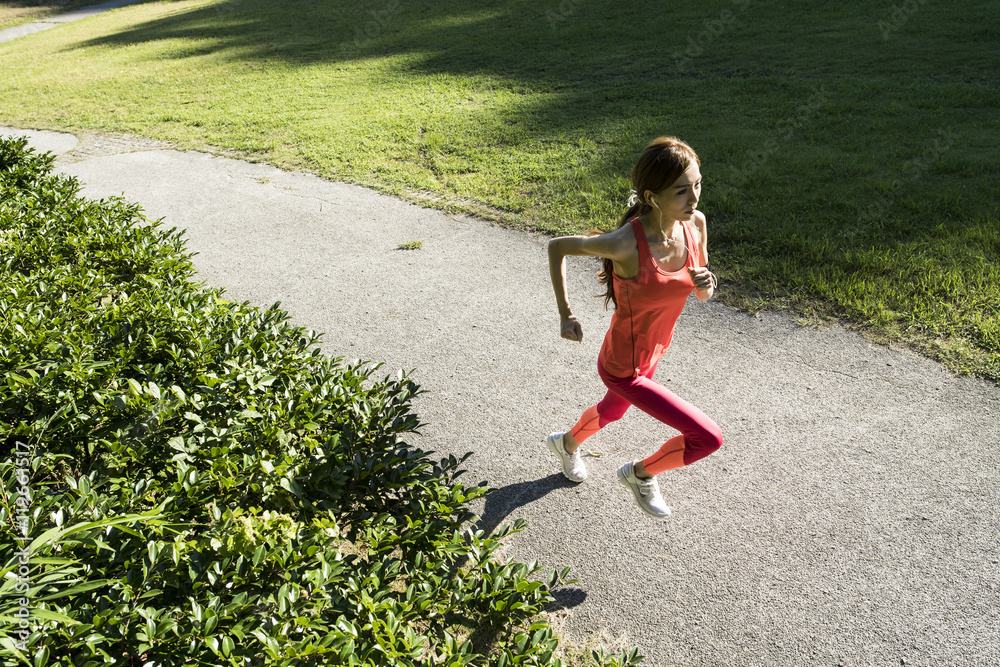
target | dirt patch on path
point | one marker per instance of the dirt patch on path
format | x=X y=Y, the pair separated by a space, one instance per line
x=102 y=144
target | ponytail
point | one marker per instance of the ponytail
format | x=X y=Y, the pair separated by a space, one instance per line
x=606 y=275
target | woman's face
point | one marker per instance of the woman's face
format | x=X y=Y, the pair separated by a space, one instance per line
x=679 y=200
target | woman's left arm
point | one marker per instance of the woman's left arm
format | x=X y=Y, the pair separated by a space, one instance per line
x=704 y=280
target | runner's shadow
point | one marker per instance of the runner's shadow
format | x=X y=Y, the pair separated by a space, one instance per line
x=501 y=502
x=566 y=598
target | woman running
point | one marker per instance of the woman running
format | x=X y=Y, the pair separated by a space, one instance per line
x=652 y=263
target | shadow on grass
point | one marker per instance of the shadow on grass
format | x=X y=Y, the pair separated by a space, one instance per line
x=769 y=94
x=576 y=41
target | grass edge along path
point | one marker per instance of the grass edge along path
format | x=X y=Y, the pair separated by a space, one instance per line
x=848 y=169
x=27 y=12
x=195 y=481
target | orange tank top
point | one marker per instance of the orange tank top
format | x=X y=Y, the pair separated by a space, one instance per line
x=648 y=307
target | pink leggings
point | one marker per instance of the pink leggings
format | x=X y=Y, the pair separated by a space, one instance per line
x=699 y=437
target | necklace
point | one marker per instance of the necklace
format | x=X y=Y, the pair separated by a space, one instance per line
x=670 y=240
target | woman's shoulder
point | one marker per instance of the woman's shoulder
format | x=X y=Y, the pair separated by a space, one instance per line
x=625 y=233
x=699 y=221
x=618 y=244
x=700 y=224
x=624 y=238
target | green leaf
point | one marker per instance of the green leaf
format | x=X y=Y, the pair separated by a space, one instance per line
x=49 y=615
x=9 y=644
x=211 y=623
x=54 y=535
x=73 y=590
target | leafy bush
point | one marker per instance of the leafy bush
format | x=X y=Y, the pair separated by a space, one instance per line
x=219 y=491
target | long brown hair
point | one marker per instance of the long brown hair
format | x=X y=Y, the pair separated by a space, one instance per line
x=663 y=161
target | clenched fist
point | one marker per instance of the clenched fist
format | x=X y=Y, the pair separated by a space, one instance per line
x=701 y=276
x=571 y=329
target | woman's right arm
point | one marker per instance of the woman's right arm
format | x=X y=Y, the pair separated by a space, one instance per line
x=607 y=246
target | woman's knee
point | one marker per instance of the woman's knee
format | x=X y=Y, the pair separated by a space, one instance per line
x=706 y=440
x=612 y=408
x=613 y=413
x=714 y=436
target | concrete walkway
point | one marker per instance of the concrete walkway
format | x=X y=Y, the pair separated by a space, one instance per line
x=52 y=21
x=851 y=517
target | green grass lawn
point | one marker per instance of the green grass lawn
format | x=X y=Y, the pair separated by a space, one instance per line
x=849 y=149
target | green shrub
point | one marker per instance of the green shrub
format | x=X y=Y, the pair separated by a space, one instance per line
x=207 y=488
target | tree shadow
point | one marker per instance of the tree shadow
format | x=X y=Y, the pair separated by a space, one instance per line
x=724 y=77
x=566 y=40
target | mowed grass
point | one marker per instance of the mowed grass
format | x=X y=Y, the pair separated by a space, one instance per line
x=849 y=149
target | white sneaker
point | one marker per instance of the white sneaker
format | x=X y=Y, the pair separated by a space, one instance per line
x=646 y=492
x=572 y=464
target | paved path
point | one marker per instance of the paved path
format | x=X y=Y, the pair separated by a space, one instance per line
x=851 y=517
x=44 y=24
